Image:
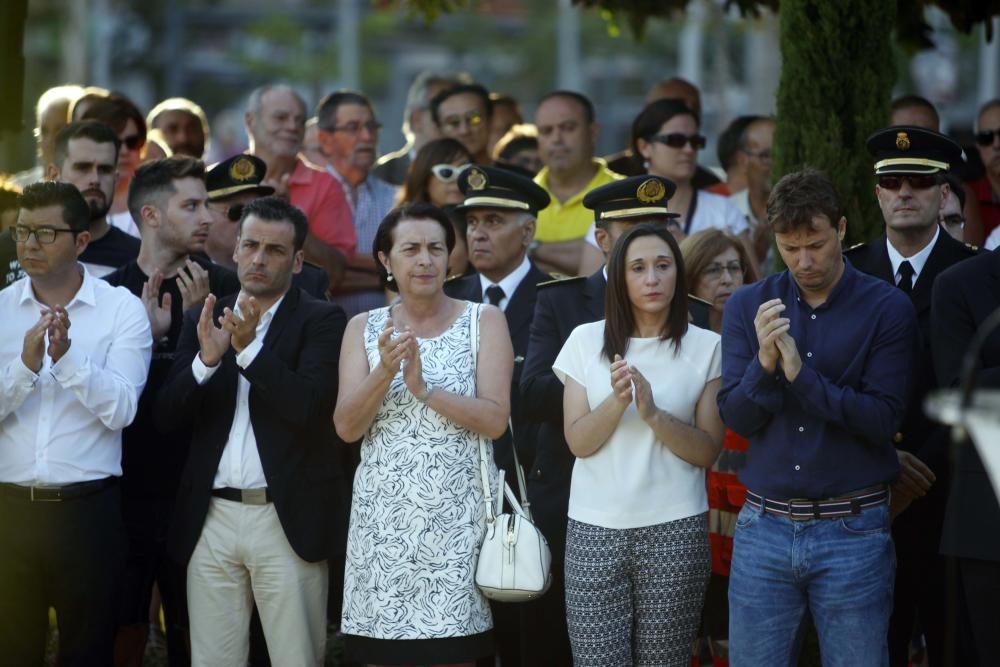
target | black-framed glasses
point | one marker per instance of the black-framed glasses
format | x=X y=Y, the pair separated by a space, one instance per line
x=953 y=219
x=133 y=142
x=679 y=140
x=233 y=212
x=986 y=137
x=447 y=173
x=44 y=235
x=714 y=271
x=474 y=118
x=916 y=181
x=355 y=127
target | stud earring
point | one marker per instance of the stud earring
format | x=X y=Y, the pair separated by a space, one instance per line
x=389 y=278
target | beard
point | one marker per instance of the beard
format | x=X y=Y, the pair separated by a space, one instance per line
x=99 y=205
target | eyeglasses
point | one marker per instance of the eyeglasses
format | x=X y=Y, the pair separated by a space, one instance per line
x=447 y=173
x=44 y=235
x=473 y=118
x=133 y=142
x=233 y=212
x=355 y=127
x=985 y=138
x=714 y=271
x=916 y=181
x=679 y=140
x=954 y=219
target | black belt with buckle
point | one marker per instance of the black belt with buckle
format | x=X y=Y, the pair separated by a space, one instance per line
x=804 y=509
x=248 y=496
x=57 y=494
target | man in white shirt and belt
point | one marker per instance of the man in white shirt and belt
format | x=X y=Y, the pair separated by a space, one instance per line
x=262 y=502
x=73 y=363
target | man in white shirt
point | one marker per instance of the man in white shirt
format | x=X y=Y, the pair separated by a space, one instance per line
x=262 y=501
x=68 y=386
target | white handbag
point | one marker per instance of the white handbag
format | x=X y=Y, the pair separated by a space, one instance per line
x=514 y=559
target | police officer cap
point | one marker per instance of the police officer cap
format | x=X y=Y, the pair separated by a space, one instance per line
x=633 y=197
x=238 y=174
x=906 y=149
x=490 y=187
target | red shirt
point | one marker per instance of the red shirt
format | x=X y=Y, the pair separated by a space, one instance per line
x=321 y=198
x=989 y=205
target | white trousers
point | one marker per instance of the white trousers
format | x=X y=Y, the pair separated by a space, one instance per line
x=243 y=556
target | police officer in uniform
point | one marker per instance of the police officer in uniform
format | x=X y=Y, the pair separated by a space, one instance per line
x=910 y=168
x=562 y=306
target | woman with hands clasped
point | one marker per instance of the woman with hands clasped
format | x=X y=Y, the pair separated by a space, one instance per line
x=641 y=418
x=415 y=388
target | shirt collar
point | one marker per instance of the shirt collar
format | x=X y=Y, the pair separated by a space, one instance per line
x=84 y=295
x=303 y=173
x=917 y=261
x=509 y=282
x=601 y=174
x=846 y=279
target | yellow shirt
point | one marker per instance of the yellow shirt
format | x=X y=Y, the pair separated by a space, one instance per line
x=569 y=220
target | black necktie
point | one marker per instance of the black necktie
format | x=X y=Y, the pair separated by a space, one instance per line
x=495 y=294
x=906 y=277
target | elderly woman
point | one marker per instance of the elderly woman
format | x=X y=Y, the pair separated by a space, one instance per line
x=433 y=178
x=640 y=416
x=716 y=264
x=414 y=386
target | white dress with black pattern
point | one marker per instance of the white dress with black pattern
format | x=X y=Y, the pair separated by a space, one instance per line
x=417 y=515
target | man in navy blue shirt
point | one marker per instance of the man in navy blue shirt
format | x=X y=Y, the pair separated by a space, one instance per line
x=815 y=367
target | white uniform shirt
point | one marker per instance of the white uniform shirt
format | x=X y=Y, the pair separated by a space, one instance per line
x=63 y=425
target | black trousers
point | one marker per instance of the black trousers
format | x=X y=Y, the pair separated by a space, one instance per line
x=66 y=555
x=544 y=636
x=978 y=613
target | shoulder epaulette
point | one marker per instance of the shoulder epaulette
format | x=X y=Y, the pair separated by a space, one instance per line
x=973 y=248
x=561 y=280
x=854 y=247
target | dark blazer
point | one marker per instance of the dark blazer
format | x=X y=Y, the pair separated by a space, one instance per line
x=314 y=280
x=520 y=309
x=964 y=296
x=918 y=434
x=293 y=389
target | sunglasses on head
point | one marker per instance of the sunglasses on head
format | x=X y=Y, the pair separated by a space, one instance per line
x=133 y=142
x=916 y=181
x=679 y=140
x=985 y=138
x=447 y=172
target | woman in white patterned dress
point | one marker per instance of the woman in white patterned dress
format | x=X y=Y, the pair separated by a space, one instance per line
x=413 y=385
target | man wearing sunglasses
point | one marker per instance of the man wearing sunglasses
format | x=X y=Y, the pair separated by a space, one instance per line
x=987 y=188
x=911 y=165
x=464 y=112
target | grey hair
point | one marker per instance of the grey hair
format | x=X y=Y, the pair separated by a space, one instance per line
x=416 y=97
x=254 y=101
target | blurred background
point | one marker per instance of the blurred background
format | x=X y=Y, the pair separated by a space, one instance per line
x=216 y=51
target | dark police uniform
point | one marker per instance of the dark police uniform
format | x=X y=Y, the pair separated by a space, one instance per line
x=920 y=572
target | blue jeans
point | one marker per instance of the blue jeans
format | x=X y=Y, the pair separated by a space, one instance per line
x=842 y=570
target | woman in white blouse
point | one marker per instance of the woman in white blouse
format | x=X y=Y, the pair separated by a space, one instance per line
x=641 y=418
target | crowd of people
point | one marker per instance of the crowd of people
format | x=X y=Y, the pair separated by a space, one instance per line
x=256 y=395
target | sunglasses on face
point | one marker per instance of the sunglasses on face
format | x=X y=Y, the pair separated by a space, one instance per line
x=447 y=172
x=985 y=138
x=133 y=142
x=473 y=118
x=233 y=212
x=916 y=181
x=679 y=140
x=954 y=219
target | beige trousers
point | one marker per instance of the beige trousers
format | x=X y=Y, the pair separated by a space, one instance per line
x=243 y=556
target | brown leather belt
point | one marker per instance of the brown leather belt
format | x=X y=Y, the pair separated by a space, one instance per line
x=804 y=509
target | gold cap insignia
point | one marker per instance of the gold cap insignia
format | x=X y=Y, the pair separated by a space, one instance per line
x=651 y=190
x=242 y=170
x=476 y=179
x=902 y=141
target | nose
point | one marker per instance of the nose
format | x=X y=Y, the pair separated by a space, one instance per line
x=651 y=276
x=725 y=277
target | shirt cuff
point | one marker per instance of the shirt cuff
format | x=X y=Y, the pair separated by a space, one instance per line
x=249 y=353
x=201 y=372
x=24 y=375
x=67 y=366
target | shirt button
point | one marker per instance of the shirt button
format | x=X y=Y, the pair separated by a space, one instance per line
x=798 y=468
x=801 y=429
x=812 y=317
x=809 y=354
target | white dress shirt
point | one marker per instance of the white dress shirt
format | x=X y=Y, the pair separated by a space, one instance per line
x=240 y=466
x=508 y=284
x=917 y=261
x=63 y=425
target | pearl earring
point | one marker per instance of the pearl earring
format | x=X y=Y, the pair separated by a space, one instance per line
x=389 y=278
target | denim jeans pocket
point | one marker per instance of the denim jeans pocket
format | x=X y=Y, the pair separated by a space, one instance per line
x=871 y=521
x=747 y=516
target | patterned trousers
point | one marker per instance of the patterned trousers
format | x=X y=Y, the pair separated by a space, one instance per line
x=634 y=596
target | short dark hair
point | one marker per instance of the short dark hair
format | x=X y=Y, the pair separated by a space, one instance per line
x=278 y=209
x=956 y=187
x=94 y=130
x=619 y=320
x=651 y=119
x=415 y=211
x=461 y=89
x=519 y=137
x=801 y=196
x=734 y=139
x=116 y=110
x=326 y=110
x=588 y=107
x=155 y=180
x=914 y=102
x=75 y=209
